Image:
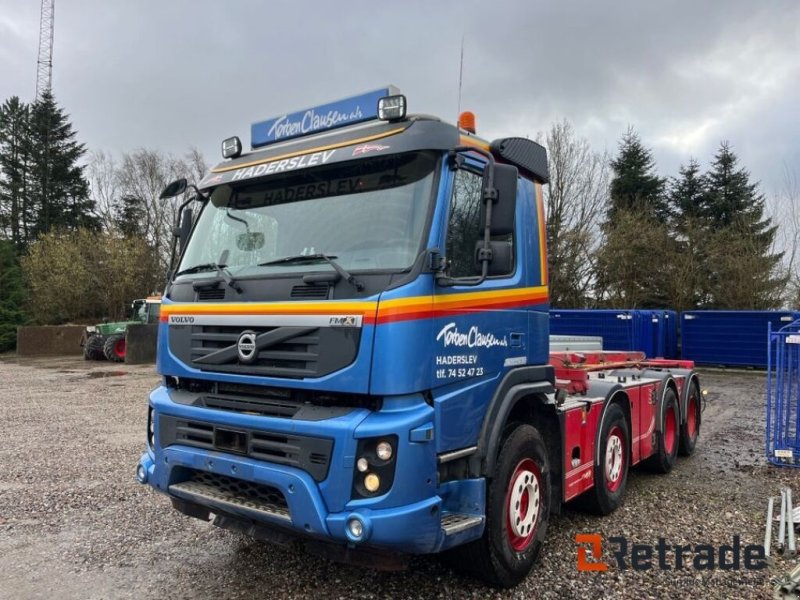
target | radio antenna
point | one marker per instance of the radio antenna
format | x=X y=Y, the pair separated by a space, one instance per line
x=460 y=74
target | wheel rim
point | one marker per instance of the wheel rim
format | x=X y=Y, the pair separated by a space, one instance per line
x=523 y=504
x=119 y=348
x=670 y=430
x=615 y=458
x=691 y=418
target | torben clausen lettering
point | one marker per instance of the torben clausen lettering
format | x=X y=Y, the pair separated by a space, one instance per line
x=451 y=336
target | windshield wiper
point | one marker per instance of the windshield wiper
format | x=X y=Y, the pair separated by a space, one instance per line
x=199 y=268
x=309 y=258
x=222 y=274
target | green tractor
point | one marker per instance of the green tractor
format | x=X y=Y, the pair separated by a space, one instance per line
x=107 y=340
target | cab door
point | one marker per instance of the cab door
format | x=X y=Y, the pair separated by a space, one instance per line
x=478 y=332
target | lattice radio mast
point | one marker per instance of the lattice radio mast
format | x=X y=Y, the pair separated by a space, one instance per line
x=44 y=64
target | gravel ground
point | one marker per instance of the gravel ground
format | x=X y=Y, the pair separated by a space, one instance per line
x=75 y=524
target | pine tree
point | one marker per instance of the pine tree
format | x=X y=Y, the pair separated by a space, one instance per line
x=58 y=188
x=743 y=269
x=636 y=219
x=687 y=193
x=130 y=217
x=14 y=207
x=689 y=279
x=12 y=296
x=635 y=186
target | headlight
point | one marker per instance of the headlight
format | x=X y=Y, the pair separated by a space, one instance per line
x=375 y=465
x=91 y=329
x=384 y=450
x=372 y=482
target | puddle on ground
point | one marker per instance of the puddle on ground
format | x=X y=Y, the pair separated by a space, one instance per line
x=99 y=374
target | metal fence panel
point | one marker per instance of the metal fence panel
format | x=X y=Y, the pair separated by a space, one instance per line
x=783 y=395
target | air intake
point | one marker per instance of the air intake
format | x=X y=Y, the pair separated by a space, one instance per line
x=211 y=294
x=310 y=292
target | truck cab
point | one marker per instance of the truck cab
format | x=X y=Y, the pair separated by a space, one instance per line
x=354 y=344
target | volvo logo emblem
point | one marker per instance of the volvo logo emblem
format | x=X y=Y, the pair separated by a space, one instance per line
x=246 y=347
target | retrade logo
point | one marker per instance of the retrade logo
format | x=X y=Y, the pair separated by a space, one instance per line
x=665 y=556
x=246 y=347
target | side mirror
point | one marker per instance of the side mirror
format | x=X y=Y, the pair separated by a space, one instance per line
x=176 y=188
x=250 y=241
x=502 y=262
x=505 y=207
x=185 y=227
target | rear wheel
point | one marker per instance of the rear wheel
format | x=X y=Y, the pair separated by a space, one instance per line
x=667 y=439
x=114 y=347
x=517 y=511
x=690 y=429
x=93 y=349
x=611 y=472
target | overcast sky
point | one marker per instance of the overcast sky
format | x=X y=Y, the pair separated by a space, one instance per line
x=171 y=74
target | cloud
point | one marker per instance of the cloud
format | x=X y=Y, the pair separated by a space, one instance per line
x=180 y=73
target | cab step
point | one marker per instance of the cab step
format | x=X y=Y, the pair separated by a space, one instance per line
x=453 y=523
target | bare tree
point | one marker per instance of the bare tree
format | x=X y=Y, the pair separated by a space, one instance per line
x=575 y=203
x=785 y=210
x=130 y=189
x=102 y=174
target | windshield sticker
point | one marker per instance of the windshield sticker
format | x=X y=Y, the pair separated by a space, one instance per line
x=282 y=166
x=310 y=191
x=451 y=336
x=366 y=148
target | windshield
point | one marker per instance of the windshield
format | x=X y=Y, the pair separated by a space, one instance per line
x=368 y=215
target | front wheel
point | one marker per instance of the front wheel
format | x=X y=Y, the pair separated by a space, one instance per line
x=114 y=347
x=517 y=511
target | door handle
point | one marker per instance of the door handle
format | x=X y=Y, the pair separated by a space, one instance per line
x=517 y=340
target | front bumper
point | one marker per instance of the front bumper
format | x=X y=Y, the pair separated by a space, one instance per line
x=414 y=528
x=406 y=519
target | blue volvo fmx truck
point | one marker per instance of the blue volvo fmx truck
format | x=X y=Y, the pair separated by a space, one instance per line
x=354 y=350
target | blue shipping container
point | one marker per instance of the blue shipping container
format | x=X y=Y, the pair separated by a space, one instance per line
x=641 y=330
x=730 y=337
x=670 y=334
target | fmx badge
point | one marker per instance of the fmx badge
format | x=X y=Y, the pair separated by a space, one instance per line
x=345 y=321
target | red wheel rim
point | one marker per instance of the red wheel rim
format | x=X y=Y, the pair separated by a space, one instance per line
x=119 y=348
x=523 y=504
x=670 y=430
x=615 y=458
x=691 y=418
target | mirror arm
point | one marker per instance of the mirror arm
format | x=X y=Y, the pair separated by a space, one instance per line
x=489 y=198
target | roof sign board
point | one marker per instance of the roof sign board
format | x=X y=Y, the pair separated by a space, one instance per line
x=319 y=118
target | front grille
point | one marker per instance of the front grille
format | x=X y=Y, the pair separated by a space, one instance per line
x=294 y=353
x=250 y=399
x=310 y=454
x=230 y=493
x=267 y=401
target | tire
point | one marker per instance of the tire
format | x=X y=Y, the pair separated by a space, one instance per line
x=611 y=471
x=93 y=349
x=114 y=347
x=517 y=512
x=666 y=439
x=690 y=429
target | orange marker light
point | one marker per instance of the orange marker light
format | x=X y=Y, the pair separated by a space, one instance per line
x=466 y=121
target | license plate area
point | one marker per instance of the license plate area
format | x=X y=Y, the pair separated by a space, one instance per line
x=230 y=440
